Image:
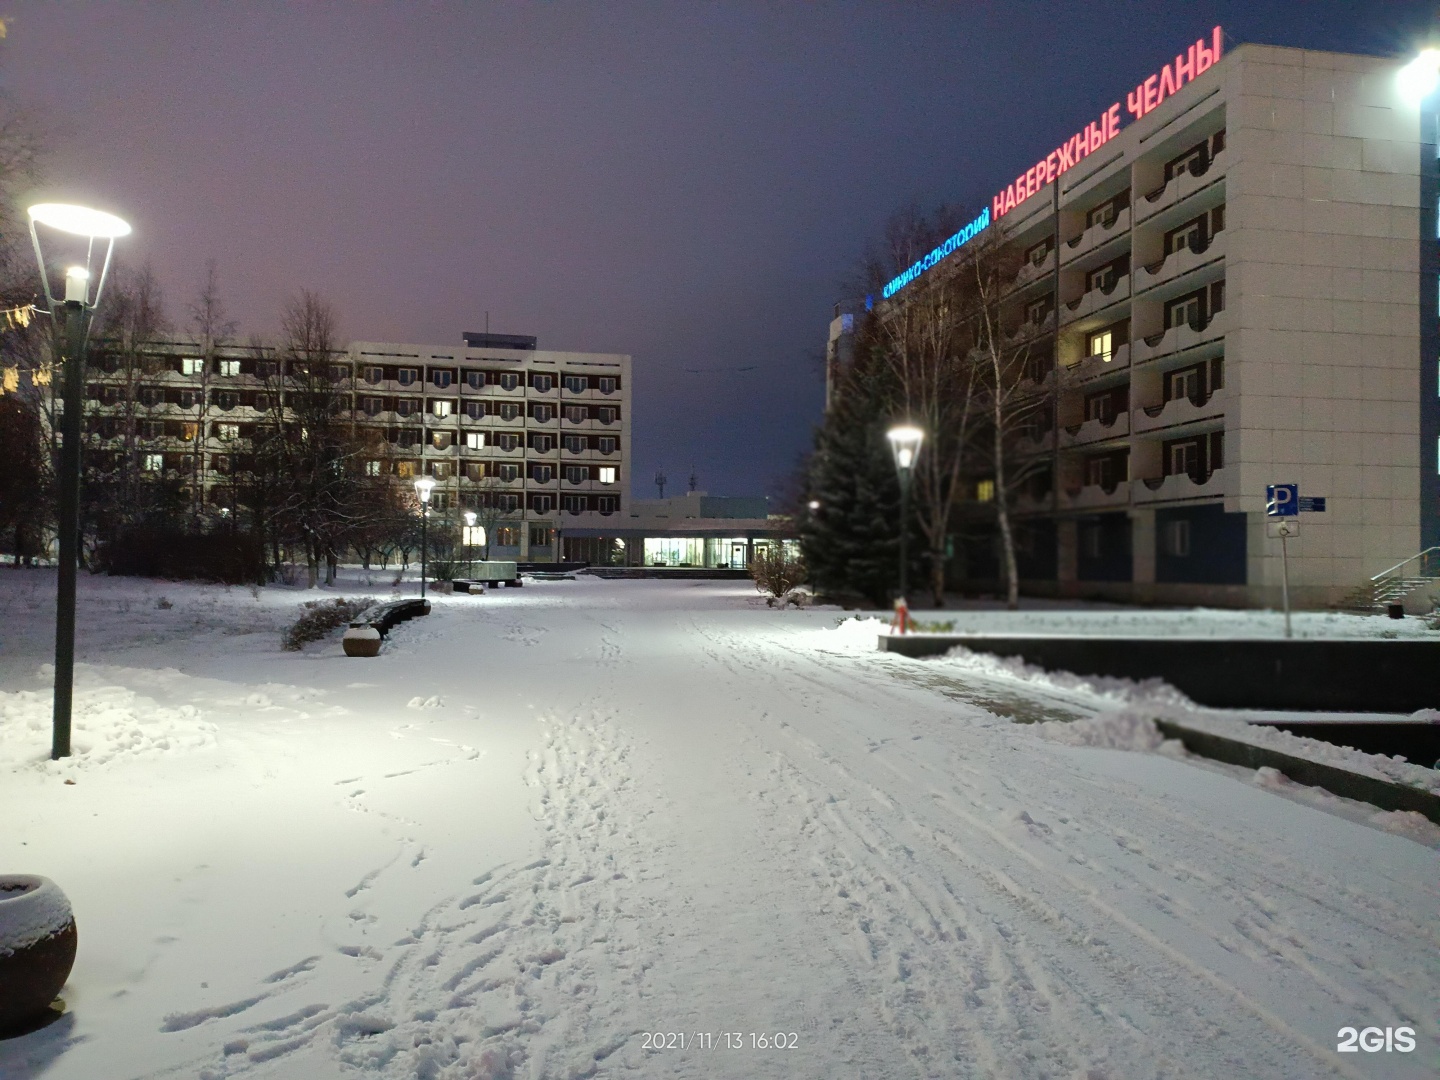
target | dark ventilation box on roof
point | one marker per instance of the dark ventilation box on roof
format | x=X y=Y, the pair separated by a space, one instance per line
x=499 y=341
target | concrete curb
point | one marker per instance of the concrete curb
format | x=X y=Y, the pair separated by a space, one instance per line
x=1386 y=794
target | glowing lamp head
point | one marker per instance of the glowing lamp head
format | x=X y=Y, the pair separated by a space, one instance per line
x=1418 y=79
x=814 y=504
x=423 y=487
x=80 y=221
x=905 y=443
x=470 y=518
x=77 y=285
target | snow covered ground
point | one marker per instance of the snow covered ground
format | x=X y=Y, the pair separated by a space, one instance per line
x=548 y=821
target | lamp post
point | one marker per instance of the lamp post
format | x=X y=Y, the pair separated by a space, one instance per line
x=76 y=310
x=423 y=487
x=905 y=443
x=470 y=541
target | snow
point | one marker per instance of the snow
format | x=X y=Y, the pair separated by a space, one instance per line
x=546 y=821
x=31 y=908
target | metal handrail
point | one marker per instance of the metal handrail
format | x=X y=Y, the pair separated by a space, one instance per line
x=1406 y=562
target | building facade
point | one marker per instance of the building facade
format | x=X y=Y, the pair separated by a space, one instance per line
x=1236 y=290
x=540 y=438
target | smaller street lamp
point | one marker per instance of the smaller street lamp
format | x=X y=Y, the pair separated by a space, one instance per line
x=1419 y=78
x=905 y=443
x=470 y=540
x=424 y=485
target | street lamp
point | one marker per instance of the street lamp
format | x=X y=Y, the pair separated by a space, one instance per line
x=905 y=443
x=77 y=309
x=423 y=487
x=1418 y=79
x=470 y=540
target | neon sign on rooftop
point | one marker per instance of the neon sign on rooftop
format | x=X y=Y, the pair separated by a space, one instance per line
x=1148 y=95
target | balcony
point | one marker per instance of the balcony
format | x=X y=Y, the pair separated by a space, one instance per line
x=1032 y=272
x=1028 y=445
x=1179 y=411
x=1179 y=263
x=1181 y=187
x=1095 y=236
x=1095 y=497
x=1094 y=431
x=1097 y=299
x=1180 y=338
x=1093 y=367
x=1178 y=487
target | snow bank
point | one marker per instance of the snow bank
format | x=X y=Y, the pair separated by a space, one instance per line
x=108 y=723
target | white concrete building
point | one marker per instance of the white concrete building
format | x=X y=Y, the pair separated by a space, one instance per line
x=1245 y=282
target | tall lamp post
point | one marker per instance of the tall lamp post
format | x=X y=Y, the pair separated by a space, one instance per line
x=423 y=487
x=905 y=443
x=75 y=313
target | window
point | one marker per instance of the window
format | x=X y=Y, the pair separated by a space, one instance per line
x=153 y=463
x=475 y=440
x=440 y=500
x=266 y=369
x=474 y=379
x=475 y=470
x=509 y=411
x=407 y=468
x=607 y=414
x=542 y=383
x=541 y=504
x=606 y=444
x=985 y=491
x=440 y=440
x=509 y=380
x=1104 y=406
x=1103 y=278
x=509 y=473
x=1186 y=311
x=1106 y=470
x=540 y=534
x=541 y=413
x=406 y=376
x=191 y=365
x=262 y=402
x=606 y=384
x=508 y=535
x=542 y=474
x=1194 y=160
x=1191 y=235
x=1100 y=344
x=1035 y=255
x=576 y=474
x=542 y=444
x=152 y=429
x=189 y=432
x=372 y=406
x=1036 y=310
x=576 y=384
x=229 y=367
x=441 y=378
x=374 y=374
x=1090 y=541
x=220 y=463
x=189 y=398
x=226 y=399
x=474 y=409
x=607 y=504
x=1186 y=383
x=576 y=414
x=607 y=474
x=405 y=406
x=574 y=504
x=507 y=442
x=441 y=407
x=1175 y=539
x=574 y=444
x=1105 y=214
x=339 y=372
x=1184 y=457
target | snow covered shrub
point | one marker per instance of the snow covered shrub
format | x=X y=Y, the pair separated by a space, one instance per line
x=776 y=571
x=164 y=603
x=319 y=617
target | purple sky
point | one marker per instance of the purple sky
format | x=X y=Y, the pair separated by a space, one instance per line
x=690 y=183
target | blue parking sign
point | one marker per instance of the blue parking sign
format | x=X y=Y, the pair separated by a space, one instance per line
x=1282 y=500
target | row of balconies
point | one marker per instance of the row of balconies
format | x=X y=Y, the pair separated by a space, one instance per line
x=1141 y=420
x=1177 y=487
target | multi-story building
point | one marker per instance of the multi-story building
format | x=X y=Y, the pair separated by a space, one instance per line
x=542 y=437
x=1236 y=290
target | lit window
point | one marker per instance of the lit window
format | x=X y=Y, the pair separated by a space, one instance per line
x=229 y=367
x=227 y=432
x=372 y=468
x=191 y=365
x=1100 y=344
x=475 y=440
x=154 y=463
x=984 y=491
x=607 y=474
x=440 y=407
x=407 y=468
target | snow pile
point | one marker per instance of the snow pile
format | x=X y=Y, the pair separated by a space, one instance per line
x=1124 y=729
x=31 y=908
x=1151 y=693
x=107 y=723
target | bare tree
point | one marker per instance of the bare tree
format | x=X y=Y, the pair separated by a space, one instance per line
x=213 y=329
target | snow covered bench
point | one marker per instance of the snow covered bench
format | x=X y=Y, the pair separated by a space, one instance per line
x=375 y=623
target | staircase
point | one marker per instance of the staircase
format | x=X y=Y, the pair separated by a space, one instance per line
x=1393 y=585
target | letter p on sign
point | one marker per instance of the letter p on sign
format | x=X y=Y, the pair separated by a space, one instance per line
x=1282 y=500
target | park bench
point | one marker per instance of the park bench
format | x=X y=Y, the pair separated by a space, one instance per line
x=375 y=623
